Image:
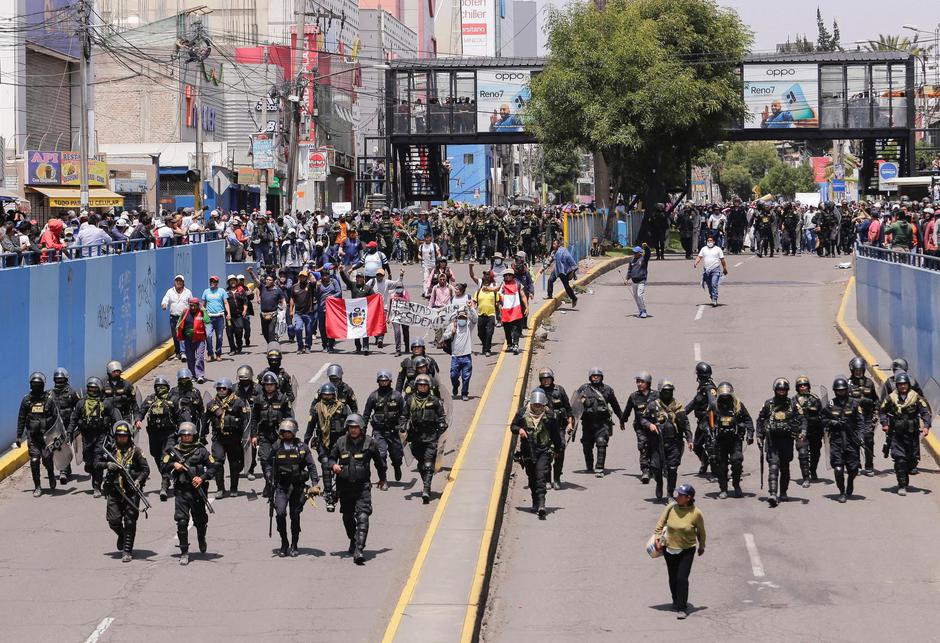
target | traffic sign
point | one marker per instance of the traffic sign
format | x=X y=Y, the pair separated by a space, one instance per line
x=887 y=170
x=838 y=185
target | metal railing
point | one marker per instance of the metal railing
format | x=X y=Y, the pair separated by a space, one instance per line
x=914 y=259
x=25 y=258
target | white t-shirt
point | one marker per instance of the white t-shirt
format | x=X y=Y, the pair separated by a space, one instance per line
x=711 y=257
x=429 y=254
x=372 y=262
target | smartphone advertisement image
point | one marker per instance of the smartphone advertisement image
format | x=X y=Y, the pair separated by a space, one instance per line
x=781 y=96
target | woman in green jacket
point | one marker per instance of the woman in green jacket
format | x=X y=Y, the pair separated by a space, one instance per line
x=685 y=526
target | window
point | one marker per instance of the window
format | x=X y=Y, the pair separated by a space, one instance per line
x=859 y=96
x=898 y=96
x=468 y=159
x=832 y=97
x=881 y=96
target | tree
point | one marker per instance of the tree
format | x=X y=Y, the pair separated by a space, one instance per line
x=735 y=180
x=785 y=180
x=889 y=42
x=827 y=40
x=645 y=83
x=560 y=167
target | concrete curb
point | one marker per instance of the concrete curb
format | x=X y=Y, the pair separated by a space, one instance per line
x=482 y=574
x=878 y=374
x=17 y=457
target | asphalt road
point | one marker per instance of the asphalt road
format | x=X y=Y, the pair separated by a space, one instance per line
x=62 y=578
x=816 y=571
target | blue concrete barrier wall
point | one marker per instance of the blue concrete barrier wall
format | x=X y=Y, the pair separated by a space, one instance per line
x=900 y=305
x=81 y=314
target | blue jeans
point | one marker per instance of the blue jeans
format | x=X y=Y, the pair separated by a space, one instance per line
x=217 y=328
x=304 y=325
x=711 y=278
x=809 y=240
x=461 y=368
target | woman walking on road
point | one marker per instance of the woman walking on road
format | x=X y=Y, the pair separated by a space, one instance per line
x=684 y=525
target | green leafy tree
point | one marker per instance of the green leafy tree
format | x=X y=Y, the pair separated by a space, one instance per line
x=785 y=180
x=645 y=83
x=735 y=180
x=889 y=42
x=827 y=40
x=561 y=167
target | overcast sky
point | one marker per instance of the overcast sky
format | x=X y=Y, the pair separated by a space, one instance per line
x=772 y=22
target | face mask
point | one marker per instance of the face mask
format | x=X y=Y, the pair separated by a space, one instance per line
x=711 y=244
x=462 y=323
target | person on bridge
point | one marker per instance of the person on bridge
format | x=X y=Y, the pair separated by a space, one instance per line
x=684 y=526
x=66 y=399
x=808 y=450
x=123 y=394
x=229 y=417
x=905 y=418
x=385 y=408
x=267 y=411
x=93 y=418
x=560 y=405
x=703 y=405
x=636 y=404
x=122 y=511
x=598 y=404
x=38 y=414
x=733 y=424
x=162 y=421
x=779 y=423
x=668 y=425
x=291 y=464
x=189 y=464
x=350 y=460
x=427 y=422
x=540 y=438
x=325 y=424
x=712 y=258
x=862 y=388
x=843 y=420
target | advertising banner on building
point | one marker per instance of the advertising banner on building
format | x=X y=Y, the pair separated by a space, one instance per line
x=63 y=168
x=249 y=176
x=781 y=96
x=318 y=164
x=502 y=94
x=478 y=31
x=71 y=172
x=262 y=151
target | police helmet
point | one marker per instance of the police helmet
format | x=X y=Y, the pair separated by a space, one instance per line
x=802 y=380
x=546 y=372
x=538 y=397
x=37 y=378
x=245 y=373
x=666 y=384
x=422 y=379
x=899 y=364
x=644 y=376
x=857 y=364
x=416 y=342
x=287 y=425
x=328 y=389
x=268 y=378
x=725 y=389
x=187 y=428
x=334 y=370
x=781 y=383
x=703 y=370
x=274 y=355
x=383 y=376
x=160 y=381
x=122 y=428
x=93 y=386
x=225 y=383
x=902 y=378
x=840 y=384
x=60 y=375
x=422 y=362
x=183 y=374
x=114 y=365
x=595 y=370
x=354 y=419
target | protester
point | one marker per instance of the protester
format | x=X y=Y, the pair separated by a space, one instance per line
x=176 y=300
x=714 y=267
x=302 y=312
x=215 y=301
x=487 y=306
x=271 y=299
x=564 y=269
x=191 y=331
x=637 y=273
x=401 y=330
x=684 y=526
x=514 y=307
x=460 y=333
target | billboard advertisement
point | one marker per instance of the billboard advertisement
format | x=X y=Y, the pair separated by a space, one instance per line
x=502 y=94
x=262 y=151
x=478 y=27
x=781 y=96
x=52 y=24
x=62 y=168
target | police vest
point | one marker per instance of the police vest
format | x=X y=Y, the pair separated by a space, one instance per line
x=665 y=417
x=780 y=418
x=537 y=429
x=727 y=421
x=423 y=414
x=386 y=410
x=810 y=405
x=595 y=404
x=907 y=413
x=225 y=421
x=841 y=414
x=270 y=414
x=290 y=461
x=160 y=416
x=37 y=419
x=331 y=420
x=354 y=459
x=864 y=391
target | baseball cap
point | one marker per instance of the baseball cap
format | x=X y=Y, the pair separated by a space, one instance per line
x=637 y=249
x=214 y=278
x=180 y=277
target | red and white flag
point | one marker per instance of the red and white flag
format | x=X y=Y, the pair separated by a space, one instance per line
x=355 y=318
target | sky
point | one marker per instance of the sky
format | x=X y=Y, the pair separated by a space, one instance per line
x=772 y=22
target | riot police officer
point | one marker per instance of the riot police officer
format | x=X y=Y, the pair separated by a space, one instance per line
x=326 y=423
x=862 y=389
x=38 y=414
x=668 y=425
x=901 y=415
x=843 y=420
x=267 y=411
x=66 y=399
x=703 y=405
x=162 y=421
x=407 y=371
x=560 y=405
x=122 y=393
x=229 y=418
x=188 y=402
x=285 y=383
x=93 y=418
x=344 y=392
x=599 y=406
x=123 y=499
x=422 y=366
x=427 y=422
x=540 y=437
x=292 y=465
x=808 y=450
x=350 y=460
x=636 y=404
x=733 y=424
x=189 y=463
x=385 y=408
x=247 y=390
x=780 y=422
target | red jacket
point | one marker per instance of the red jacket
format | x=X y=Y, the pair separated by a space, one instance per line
x=51 y=240
x=198 y=329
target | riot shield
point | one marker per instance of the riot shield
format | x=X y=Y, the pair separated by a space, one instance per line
x=78 y=448
x=57 y=445
x=447 y=403
x=577 y=410
x=295 y=388
x=246 y=446
x=824 y=399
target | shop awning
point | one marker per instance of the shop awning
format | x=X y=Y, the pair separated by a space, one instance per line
x=71 y=197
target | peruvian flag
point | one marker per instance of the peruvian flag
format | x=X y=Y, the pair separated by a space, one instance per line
x=355 y=318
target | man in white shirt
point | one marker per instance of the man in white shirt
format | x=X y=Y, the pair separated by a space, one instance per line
x=176 y=300
x=713 y=259
x=460 y=332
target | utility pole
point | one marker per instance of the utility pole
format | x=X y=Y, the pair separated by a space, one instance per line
x=85 y=39
x=294 y=97
x=264 y=128
x=197 y=122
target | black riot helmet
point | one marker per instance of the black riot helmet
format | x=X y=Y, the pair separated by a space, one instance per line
x=384 y=378
x=902 y=379
x=725 y=393
x=899 y=364
x=184 y=379
x=93 y=387
x=334 y=373
x=417 y=342
x=267 y=380
x=37 y=383
x=703 y=371
x=328 y=389
x=421 y=362
x=287 y=425
x=274 y=358
x=595 y=372
x=244 y=374
x=857 y=367
x=666 y=390
x=781 y=386
x=60 y=376
x=840 y=386
x=547 y=374
x=161 y=387
x=802 y=384
x=122 y=433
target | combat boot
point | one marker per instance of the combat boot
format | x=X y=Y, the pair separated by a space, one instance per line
x=737 y=489
x=397 y=470
x=294 y=537
x=163 y=490
x=362 y=533
x=201 y=538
